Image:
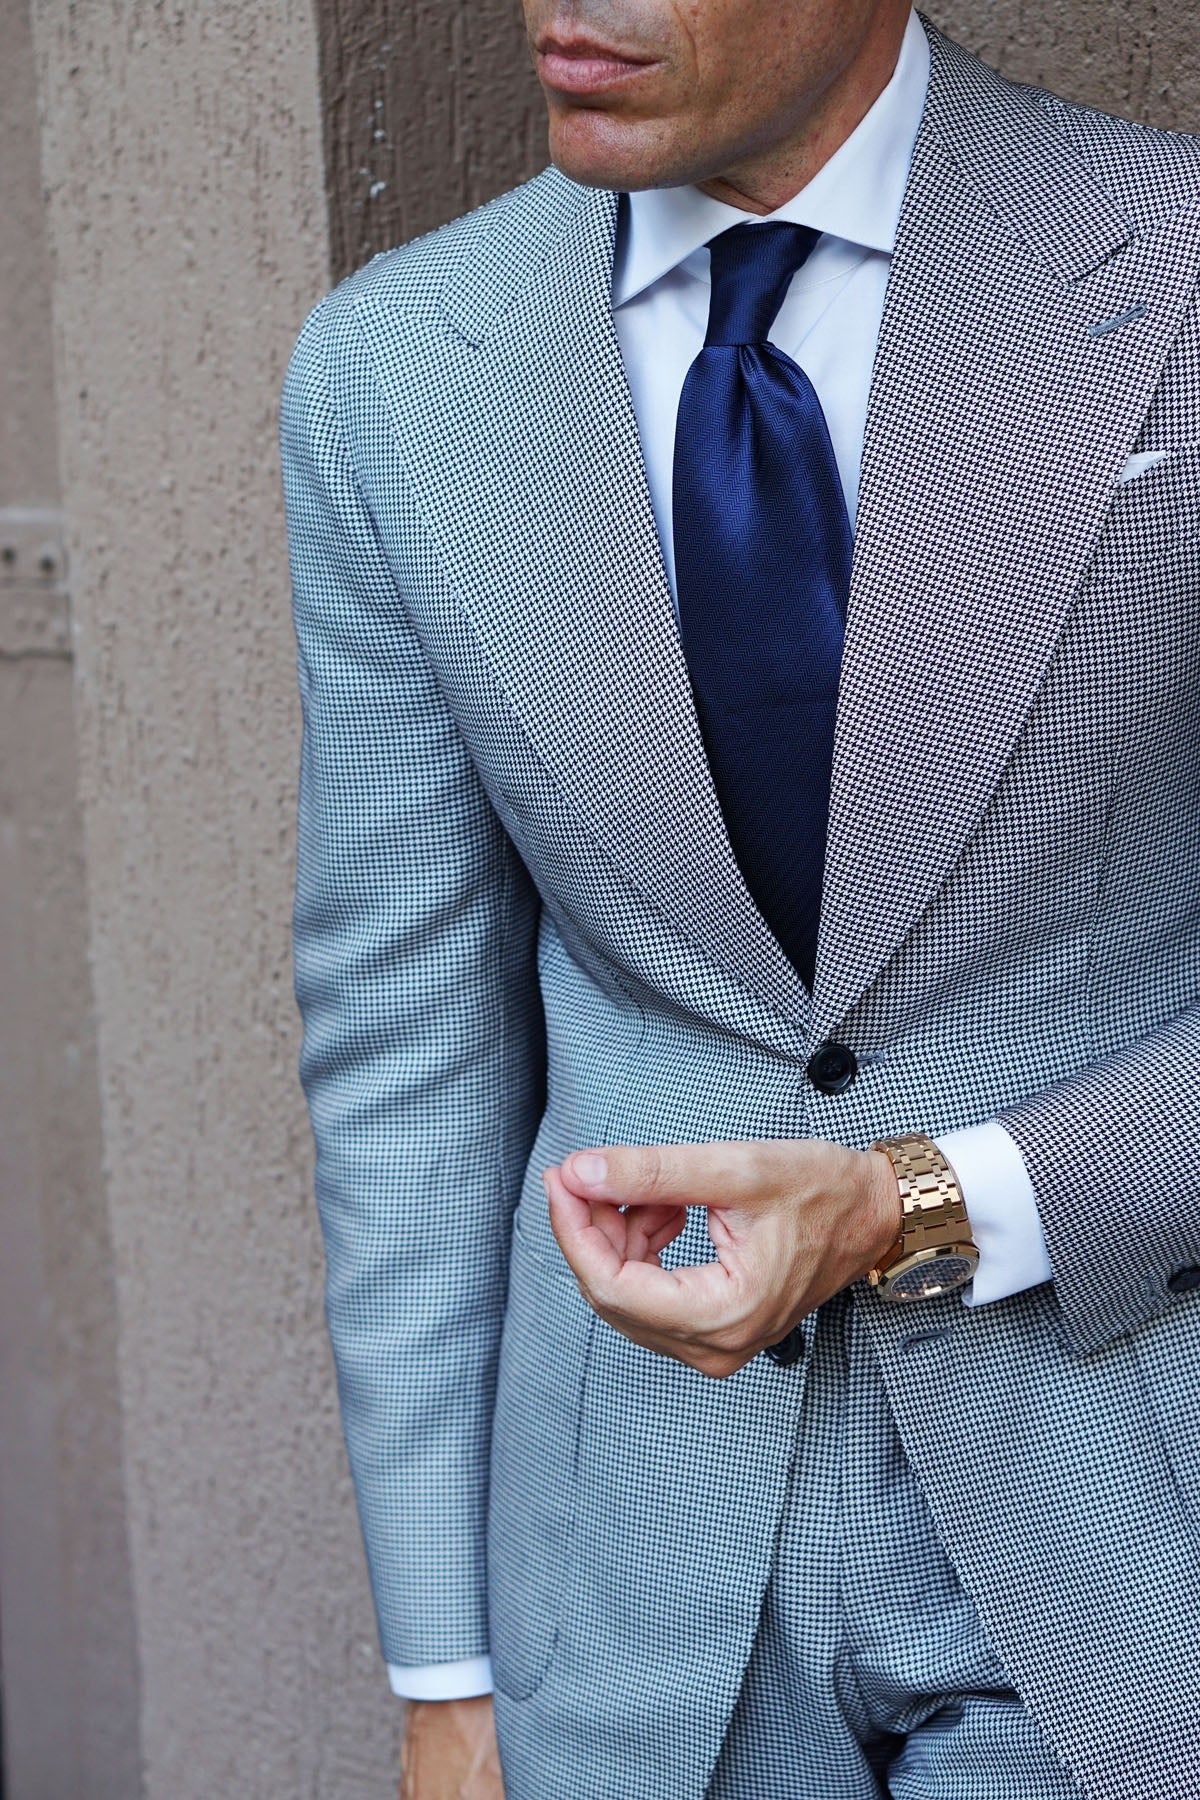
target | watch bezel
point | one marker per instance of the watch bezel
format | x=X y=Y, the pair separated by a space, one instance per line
x=884 y=1282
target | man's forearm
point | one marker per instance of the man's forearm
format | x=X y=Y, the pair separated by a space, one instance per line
x=1114 y=1157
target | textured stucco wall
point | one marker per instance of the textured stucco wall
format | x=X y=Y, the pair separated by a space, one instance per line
x=67 y=1636
x=28 y=450
x=67 y=1639
x=431 y=105
x=1138 y=58
x=187 y=232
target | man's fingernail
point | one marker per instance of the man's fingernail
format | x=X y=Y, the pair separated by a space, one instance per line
x=589 y=1168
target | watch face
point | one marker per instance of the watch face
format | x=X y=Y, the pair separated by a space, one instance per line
x=926 y=1280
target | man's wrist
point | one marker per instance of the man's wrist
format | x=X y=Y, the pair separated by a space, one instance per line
x=884 y=1208
x=936 y=1253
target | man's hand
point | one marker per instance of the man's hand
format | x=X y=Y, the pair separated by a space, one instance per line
x=791 y=1222
x=450 y=1751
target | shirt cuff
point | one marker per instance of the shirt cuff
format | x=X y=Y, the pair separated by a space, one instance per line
x=443 y=1681
x=1002 y=1209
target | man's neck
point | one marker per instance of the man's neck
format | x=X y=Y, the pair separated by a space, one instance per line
x=763 y=182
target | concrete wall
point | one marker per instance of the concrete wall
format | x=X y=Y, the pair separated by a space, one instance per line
x=183 y=1605
x=67 y=1631
x=187 y=235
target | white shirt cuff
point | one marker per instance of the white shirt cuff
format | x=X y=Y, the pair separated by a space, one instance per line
x=1002 y=1209
x=443 y=1681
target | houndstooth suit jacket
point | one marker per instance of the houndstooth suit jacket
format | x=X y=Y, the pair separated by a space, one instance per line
x=520 y=929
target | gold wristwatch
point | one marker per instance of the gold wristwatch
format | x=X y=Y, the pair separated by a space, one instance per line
x=935 y=1252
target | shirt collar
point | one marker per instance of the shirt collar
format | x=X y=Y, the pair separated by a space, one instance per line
x=855 y=196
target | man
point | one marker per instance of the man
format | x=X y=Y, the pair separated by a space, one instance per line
x=746 y=584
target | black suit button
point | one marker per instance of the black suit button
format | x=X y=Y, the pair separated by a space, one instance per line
x=1183 y=1281
x=832 y=1068
x=789 y=1350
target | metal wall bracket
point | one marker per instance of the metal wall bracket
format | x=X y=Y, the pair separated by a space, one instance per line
x=35 y=609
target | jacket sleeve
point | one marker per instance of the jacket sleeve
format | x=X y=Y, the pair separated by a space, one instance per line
x=423 y=1045
x=1114 y=1156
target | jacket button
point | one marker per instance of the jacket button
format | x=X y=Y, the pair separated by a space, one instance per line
x=832 y=1068
x=789 y=1350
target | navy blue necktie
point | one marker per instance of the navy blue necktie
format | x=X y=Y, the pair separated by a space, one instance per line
x=762 y=566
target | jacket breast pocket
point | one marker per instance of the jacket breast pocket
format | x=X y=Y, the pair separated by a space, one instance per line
x=535 y=1442
x=1151 y=518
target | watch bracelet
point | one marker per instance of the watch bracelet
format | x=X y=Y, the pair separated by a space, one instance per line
x=928 y=1186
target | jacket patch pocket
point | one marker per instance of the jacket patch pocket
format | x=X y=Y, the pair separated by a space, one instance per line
x=535 y=1442
x=1168 y=1354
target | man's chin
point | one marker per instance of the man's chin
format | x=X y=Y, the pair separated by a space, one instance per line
x=594 y=150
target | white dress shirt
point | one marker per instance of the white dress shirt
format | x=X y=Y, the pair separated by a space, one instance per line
x=829 y=324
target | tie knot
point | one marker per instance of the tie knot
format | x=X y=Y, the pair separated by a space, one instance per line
x=752 y=268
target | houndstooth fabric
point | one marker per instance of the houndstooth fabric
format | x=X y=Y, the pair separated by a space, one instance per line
x=520 y=929
x=870 y=1664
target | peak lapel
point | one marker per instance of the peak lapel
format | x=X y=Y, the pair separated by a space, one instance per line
x=998 y=423
x=546 y=524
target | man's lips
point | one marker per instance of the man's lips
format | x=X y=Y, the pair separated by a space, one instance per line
x=581 y=66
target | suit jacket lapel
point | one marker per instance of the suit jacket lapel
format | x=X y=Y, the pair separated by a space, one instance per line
x=565 y=584
x=998 y=423
x=1004 y=401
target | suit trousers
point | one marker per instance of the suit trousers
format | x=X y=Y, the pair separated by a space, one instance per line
x=871 y=1673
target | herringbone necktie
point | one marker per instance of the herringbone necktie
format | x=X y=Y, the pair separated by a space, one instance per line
x=762 y=561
